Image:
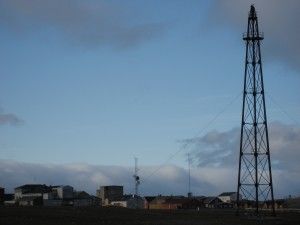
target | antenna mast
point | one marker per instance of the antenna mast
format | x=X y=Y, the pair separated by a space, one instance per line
x=189 y=162
x=255 y=176
x=136 y=177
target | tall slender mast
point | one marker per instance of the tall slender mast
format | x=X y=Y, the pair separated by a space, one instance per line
x=255 y=175
x=189 y=187
x=136 y=177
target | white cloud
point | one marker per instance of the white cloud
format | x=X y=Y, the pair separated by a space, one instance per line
x=220 y=149
x=169 y=179
x=216 y=154
x=86 y=23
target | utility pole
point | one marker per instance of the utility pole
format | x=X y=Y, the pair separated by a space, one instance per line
x=136 y=177
x=189 y=187
x=136 y=181
x=254 y=175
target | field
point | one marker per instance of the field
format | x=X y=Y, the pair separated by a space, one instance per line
x=122 y=216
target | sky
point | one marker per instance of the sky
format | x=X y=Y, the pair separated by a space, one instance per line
x=86 y=86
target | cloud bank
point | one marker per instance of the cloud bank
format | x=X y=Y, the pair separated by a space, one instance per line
x=220 y=150
x=278 y=20
x=215 y=162
x=215 y=157
x=169 y=180
x=86 y=23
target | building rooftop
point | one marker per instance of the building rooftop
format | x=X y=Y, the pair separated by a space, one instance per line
x=33 y=188
x=208 y=200
x=81 y=195
x=227 y=193
x=112 y=186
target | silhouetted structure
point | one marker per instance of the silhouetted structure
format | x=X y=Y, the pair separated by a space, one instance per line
x=2 y=190
x=173 y=202
x=129 y=201
x=110 y=193
x=189 y=186
x=136 y=177
x=255 y=176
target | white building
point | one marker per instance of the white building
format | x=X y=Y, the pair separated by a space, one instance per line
x=9 y=199
x=129 y=201
x=228 y=197
x=59 y=195
x=63 y=191
x=31 y=190
x=110 y=193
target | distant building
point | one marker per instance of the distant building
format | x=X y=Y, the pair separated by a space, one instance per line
x=229 y=197
x=173 y=202
x=63 y=191
x=225 y=205
x=51 y=199
x=129 y=201
x=200 y=198
x=292 y=202
x=148 y=200
x=59 y=195
x=31 y=194
x=251 y=204
x=81 y=198
x=278 y=204
x=212 y=202
x=30 y=201
x=41 y=194
x=110 y=193
x=9 y=199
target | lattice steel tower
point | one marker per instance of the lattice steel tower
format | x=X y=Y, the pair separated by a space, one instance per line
x=255 y=176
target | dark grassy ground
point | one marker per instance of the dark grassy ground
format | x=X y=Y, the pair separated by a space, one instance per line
x=121 y=216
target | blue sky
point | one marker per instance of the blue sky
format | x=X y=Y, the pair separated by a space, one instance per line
x=100 y=82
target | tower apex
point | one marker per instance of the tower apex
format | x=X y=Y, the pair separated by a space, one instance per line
x=252 y=12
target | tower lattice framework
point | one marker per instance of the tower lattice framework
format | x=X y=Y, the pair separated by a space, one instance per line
x=255 y=186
